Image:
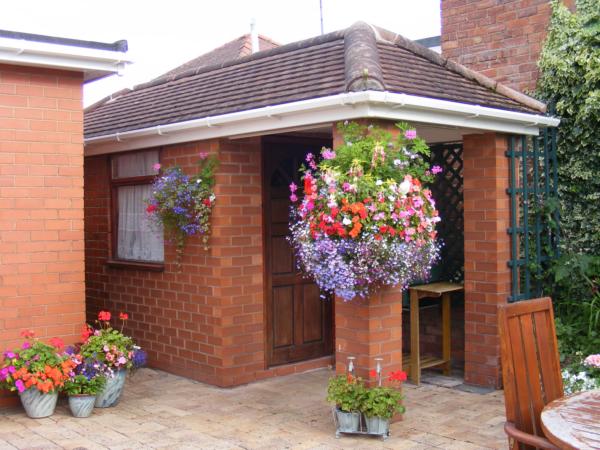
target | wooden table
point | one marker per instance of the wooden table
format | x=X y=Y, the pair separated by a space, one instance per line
x=573 y=422
x=416 y=293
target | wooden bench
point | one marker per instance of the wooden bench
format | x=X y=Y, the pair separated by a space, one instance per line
x=416 y=363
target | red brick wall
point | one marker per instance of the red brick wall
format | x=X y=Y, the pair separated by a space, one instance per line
x=41 y=203
x=487 y=251
x=500 y=39
x=207 y=321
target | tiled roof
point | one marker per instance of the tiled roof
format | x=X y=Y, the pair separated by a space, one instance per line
x=230 y=51
x=358 y=58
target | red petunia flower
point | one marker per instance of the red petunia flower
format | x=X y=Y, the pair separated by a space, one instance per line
x=85 y=332
x=123 y=316
x=151 y=208
x=104 y=316
x=206 y=201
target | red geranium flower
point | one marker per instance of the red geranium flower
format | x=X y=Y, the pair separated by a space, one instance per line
x=123 y=316
x=104 y=316
x=85 y=332
x=372 y=373
x=27 y=334
x=57 y=342
x=398 y=375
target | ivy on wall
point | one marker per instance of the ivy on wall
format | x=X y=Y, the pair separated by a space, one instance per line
x=570 y=83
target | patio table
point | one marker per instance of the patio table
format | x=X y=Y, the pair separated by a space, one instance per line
x=573 y=422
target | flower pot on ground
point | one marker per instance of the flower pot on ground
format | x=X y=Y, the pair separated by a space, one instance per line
x=38 y=404
x=379 y=404
x=37 y=371
x=346 y=391
x=82 y=387
x=115 y=352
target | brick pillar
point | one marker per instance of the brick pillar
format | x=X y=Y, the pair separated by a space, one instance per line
x=487 y=251
x=369 y=329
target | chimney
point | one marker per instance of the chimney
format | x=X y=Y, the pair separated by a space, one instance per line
x=254 y=36
x=498 y=38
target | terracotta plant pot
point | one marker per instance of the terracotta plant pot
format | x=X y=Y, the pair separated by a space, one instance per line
x=111 y=394
x=81 y=405
x=37 y=404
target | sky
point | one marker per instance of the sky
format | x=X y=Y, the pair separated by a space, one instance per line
x=164 y=34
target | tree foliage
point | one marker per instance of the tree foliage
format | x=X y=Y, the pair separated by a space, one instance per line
x=570 y=83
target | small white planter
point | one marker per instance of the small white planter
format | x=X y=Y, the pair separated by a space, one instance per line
x=348 y=422
x=377 y=425
x=81 y=405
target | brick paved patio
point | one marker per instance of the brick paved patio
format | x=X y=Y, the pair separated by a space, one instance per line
x=163 y=411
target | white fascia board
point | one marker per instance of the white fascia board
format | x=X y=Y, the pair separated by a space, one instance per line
x=324 y=110
x=57 y=56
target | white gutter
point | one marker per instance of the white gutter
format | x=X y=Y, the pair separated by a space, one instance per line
x=325 y=110
x=95 y=63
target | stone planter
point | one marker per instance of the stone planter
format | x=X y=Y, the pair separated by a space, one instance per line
x=111 y=394
x=377 y=425
x=37 y=404
x=81 y=405
x=348 y=422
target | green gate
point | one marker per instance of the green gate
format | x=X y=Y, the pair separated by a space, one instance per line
x=534 y=228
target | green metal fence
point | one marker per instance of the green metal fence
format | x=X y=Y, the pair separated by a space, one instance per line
x=534 y=229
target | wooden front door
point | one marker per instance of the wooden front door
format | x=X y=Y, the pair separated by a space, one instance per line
x=299 y=322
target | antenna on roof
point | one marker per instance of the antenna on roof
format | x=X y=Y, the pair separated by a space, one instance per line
x=321 y=11
x=254 y=35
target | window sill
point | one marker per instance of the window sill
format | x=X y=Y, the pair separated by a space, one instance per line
x=136 y=265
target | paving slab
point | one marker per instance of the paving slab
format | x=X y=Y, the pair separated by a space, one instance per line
x=163 y=411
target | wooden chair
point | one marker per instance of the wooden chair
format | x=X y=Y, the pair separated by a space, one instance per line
x=530 y=369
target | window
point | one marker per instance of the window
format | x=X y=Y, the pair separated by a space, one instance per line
x=133 y=239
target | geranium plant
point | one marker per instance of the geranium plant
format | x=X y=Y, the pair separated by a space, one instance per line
x=365 y=218
x=384 y=401
x=181 y=204
x=107 y=345
x=346 y=391
x=37 y=365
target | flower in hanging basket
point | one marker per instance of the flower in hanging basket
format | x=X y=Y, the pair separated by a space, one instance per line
x=181 y=204
x=366 y=219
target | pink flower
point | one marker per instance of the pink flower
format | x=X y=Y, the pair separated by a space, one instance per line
x=122 y=361
x=436 y=169
x=20 y=386
x=410 y=134
x=203 y=155
x=156 y=167
x=293 y=198
x=26 y=345
x=327 y=153
x=293 y=187
x=592 y=361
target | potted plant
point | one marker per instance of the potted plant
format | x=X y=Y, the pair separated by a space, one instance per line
x=110 y=347
x=346 y=392
x=365 y=218
x=37 y=371
x=379 y=404
x=84 y=384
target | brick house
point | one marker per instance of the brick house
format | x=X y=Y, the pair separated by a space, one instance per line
x=41 y=180
x=239 y=311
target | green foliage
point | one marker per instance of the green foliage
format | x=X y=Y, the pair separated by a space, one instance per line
x=577 y=305
x=375 y=154
x=570 y=83
x=347 y=392
x=382 y=402
x=108 y=345
x=81 y=385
